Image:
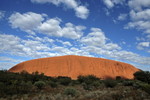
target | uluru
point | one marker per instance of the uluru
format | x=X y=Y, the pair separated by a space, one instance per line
x=73 y=66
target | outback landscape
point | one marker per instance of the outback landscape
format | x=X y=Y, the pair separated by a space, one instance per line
x=62 y=79
x=74 y=49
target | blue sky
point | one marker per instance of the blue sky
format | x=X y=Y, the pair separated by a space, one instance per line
x=111 y=29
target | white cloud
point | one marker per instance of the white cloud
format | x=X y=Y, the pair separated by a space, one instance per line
x=72 y=31
x=7 y=41
x=96 y=42
x=8 y=59
x=132 y=57
x=141 y=15
x=34 y=47
x=140 y=25
x=2 y=14
x=111 y=46
x=138 y=4
x=44 y=39
x=65 y=43
x=6 y=65
x=140 y=20
x=51 y=27
x=80 y=11
x=144 y=46
x=121 y=55
x=97 y=38
x=122 y=17
x=26 y=22
x=108 y=3
x=112 y=3
x=7 y=62
x=14 y=45
x=37 y=23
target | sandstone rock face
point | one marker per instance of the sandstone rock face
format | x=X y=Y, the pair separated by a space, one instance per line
x=73 y=66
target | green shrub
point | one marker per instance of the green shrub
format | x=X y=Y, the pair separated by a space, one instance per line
x=81 y=78
x=145 y=87
x=2 y=89
x=96 y=84
x=89 y=79
x=71 y=91
x=39 y=84
x=118 y=78
x=143 y=76
x=64 y=80
x=52 y=84
x=110 y=83
x=86 y=86
x=24 y=87
x=128 y=83
x=75 y=82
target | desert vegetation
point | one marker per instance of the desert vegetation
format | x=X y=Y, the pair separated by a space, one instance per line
x=37 y=86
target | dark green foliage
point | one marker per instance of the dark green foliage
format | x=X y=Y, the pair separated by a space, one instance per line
x=145 y=87
x=39 y=84
x=96 y=84
x=143 y=76
x=86 y=87
x=81 y=78
x=25 y=84
x=71 y=91
x=110 y=83
x=89 y=82
x=128 y=83
x=52 y=84
x=18 y=83
x=64 y=80
x=89 y=79
x=118 y=78
x=75 y=82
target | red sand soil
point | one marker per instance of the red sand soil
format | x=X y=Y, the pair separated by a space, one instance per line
x=73 y=66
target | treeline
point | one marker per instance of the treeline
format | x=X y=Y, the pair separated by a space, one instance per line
x=25 y=83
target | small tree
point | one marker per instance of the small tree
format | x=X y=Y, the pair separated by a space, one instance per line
x=143 y=76
x=71 y=91
x=118 y=78
x=89 y=79
x=39 y=84
x=52 y=84
x=110 y=83
x=64 y=80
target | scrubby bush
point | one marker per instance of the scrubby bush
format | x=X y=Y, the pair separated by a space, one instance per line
x=89 y=79
x=64 y=80
x=86 y=86
x=39 y=84
x=145 y=87
x=143 y=76
x=96 y=84
x=52 y=84
x=71 y=91
x=81 y=78
x=75 y=82
x=25 y=87
x=118 y=78
x=110 y=83
x=128 y=83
